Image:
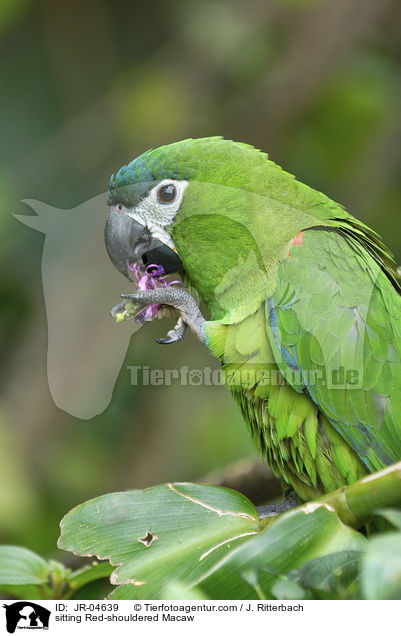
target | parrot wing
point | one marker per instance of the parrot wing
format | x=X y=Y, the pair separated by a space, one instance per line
x=334 y=324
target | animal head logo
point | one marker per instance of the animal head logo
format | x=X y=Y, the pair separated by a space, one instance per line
x=86 y=348
x=26 y=615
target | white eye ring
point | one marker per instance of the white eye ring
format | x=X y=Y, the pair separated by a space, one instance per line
x=167 y=195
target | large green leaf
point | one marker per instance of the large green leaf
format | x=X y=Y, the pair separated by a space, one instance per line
x=308 y=532
x=210 y=537
x=169 y=532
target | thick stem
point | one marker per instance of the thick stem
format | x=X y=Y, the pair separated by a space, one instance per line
x=356 y=504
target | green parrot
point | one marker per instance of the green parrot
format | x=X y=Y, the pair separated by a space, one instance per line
x=304 y=302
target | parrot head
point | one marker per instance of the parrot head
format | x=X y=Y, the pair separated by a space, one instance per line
x=147 y=195
x=199 y=206
x=145 y=198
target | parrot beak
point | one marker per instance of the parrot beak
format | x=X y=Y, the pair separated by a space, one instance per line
x=127 y=241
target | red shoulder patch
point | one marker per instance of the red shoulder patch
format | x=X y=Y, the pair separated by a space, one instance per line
x=297 y=240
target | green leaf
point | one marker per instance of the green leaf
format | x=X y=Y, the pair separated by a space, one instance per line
x=89 y=573
x=98 y=589
x=173 y=532
x=297 y=536
x=381 y=567
x=19 y=566
x=332 y=576
x=392 y=515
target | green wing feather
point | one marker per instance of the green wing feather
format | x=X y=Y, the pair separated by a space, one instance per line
x=334 y=323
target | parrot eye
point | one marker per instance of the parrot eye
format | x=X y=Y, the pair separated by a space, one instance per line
x=167 y=193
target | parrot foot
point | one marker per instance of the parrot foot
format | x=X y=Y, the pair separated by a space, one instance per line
x=190 y=315
x=290 y=501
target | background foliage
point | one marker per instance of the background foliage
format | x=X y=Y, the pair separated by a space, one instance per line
x=187 y=540
x=86 y=87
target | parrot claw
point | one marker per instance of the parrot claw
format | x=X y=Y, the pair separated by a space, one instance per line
x=174 y=335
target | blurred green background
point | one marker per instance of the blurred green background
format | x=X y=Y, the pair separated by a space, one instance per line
x=85 y=87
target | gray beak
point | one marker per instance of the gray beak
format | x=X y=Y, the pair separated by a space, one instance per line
x=127 y=241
